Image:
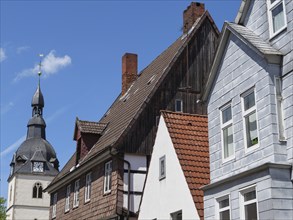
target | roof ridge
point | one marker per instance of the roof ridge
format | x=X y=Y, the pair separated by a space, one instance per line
x=183 y=113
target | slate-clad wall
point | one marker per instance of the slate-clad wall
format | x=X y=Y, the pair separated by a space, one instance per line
x=273 y=190
x=257 y=21
x=242 y=69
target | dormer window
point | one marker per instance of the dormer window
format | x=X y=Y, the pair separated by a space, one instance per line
x=277 y=16
x=38 y=166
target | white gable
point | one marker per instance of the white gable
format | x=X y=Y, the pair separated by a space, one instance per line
x=171 y=194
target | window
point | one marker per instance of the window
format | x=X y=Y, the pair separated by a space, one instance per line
x=38 y=166
x=108 y=177
x=67 y=199
x=223 y=208
x=227 y=132
x=178 y=105
x=277 y=16
x=76 y=194
x=249 y=119
x=279 y=102
x=38 y=191
x=54 y=208
x=248 y=204
x=176 y=215
x=88 y=182
x=162 y=167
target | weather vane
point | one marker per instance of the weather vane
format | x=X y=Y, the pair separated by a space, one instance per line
x=40 y=66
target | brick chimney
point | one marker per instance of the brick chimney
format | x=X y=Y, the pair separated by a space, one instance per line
x=129 y=70
x=193 y=12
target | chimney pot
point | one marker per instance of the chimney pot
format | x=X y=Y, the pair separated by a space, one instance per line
x=191 y=14
x=129 y=71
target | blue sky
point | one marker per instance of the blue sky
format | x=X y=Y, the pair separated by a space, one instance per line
x=82 y=43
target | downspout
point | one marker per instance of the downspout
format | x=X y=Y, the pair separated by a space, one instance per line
x=129 y=179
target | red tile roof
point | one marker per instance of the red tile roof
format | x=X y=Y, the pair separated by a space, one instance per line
x=189 y=134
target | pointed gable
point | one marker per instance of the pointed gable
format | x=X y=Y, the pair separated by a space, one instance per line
x=189 y=135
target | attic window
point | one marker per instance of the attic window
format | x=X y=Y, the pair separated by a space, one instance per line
x=151 y=79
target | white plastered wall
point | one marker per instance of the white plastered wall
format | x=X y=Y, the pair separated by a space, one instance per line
x=22 y=205
x=163 y=197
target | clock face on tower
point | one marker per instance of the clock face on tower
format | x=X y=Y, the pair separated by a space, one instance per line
x=38 y=167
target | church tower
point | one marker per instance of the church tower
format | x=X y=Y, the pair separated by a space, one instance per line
x=33 y=167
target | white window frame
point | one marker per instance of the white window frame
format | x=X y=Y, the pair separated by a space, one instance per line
x=88 y=187
x=279 y=106
x=67 y=199
x=242 y=203
x=246 y=113
x=162 y=175
x=181 y=105
x=270 y=8
x=54 y=207
x=218 y=209
x=76 y=194
x=224 y=126
x=108 y=177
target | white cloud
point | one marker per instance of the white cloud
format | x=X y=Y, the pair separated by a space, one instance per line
x=12 y=146
x=19 y=50
x=2 y=55
x=5 y=108
x=51 y=64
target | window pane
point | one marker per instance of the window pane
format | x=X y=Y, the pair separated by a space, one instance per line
x=35 y=192
x=228 y=141
x=249 y=101
x=272 y=1
x=40 y=192
x=278 y=17
x=178 y=106
x=249 y=196
x=225 y=215
x=224 y=203
x=226 y=114
x=251 y=211
x=251 y=130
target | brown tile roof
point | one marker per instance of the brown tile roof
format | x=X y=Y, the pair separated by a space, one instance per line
x=91 y=127
x=126 y=108
x=189 y=134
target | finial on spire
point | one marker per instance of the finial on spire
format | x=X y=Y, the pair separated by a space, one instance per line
x=40 y=66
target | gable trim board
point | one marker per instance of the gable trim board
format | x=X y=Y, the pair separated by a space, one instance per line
x=251 y=40
x=242 y=11
x=115 y=132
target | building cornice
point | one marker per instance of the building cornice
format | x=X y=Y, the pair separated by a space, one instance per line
x=246 y=173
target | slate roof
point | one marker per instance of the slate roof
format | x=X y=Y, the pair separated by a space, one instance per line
x=90 y=127
x=253 y=39
x=126 y=109
x=189 y=134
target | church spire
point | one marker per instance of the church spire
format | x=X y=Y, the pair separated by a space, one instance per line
x=36 y=125
x=38 y=99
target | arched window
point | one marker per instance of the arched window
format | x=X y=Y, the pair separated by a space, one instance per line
x=38 y=191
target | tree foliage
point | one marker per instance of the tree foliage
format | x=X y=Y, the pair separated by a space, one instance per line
x=2 y=209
